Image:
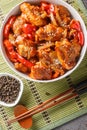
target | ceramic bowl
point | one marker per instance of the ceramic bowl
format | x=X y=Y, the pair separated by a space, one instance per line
x=19 y=94
x=74 y=14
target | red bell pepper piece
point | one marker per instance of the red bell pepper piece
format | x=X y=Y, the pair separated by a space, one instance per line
x=76 y=25
x=49 y=8
x=28 y=28
x=8 y=26
x=10 y=51
x=24 y=61
x=81 y=38
x=8 y=45
x=14 y=56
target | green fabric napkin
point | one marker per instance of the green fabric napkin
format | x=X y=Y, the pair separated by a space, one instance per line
x=35 y=93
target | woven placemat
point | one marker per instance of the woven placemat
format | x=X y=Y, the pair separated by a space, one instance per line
x=85 y=3
x=35 y=93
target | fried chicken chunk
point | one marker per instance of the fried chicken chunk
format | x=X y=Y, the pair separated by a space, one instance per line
x=62 y=16
x=41 y=73
x=34 y=14
x=25 y=47
x=67 y=53
x=18 y=24
x=49 y=32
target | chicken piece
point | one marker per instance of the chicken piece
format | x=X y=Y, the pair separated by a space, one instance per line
x=18 y=24
x=67 y=53
x=21 y=67
x=34 y=14
x=77 y=47
x=57 y=70
x=45 y=51
x=48 y=67
x=34 y=60
x=55 y=65
x=26 y=51
x=62 y=16
x=63 y=11
x=25 y=47
x=49 y=32
x=44 y=58
x=46 y=46
x=12 y=38
x=53 y=19
x=40 y=72
x=49 y=58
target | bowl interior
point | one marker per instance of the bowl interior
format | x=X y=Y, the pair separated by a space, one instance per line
x=74 y=14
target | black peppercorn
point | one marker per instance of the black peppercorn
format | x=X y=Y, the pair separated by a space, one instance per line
x=9 y=89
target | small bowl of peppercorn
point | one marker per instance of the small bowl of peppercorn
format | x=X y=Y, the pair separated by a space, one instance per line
x=11 y=88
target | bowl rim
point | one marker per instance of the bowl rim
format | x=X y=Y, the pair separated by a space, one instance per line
x=83 y=51
x=20 y=92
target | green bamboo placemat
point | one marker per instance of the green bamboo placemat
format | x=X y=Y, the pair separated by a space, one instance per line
x=35 y=93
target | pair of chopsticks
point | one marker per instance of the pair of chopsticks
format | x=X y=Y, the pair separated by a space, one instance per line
x=61 y=98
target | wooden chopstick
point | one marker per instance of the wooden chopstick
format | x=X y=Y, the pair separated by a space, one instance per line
x=45 y=107
x=36 y=108
x=61 y=98
x=54 y=103
x=49 y=106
